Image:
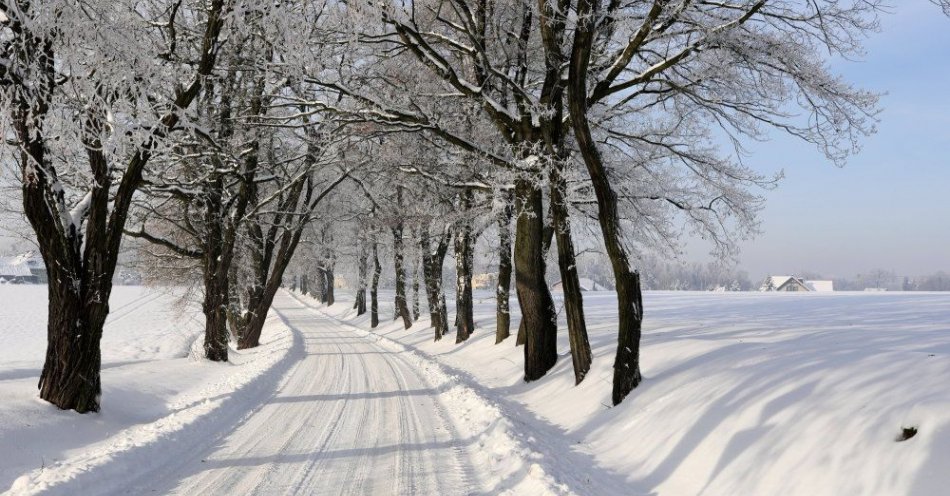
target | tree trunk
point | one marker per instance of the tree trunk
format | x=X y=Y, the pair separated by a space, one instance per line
x=570 y=282
x=547 y=236
x=503 y=291
x=271 y=253
x=330 y=281
x=537 y=308
x=374 y=289
x=216 y=320
x=328 y=265
x=415 y=288
x=250 y=335
x=304 y=289
x=464 y=259
x=629 y=299
x=320 y=284
x=70 y=377
x=360 y=304
x=432 y=260
x=401 y=307
x=216 y=263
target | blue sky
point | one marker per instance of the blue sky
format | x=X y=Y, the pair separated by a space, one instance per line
x=890 y=206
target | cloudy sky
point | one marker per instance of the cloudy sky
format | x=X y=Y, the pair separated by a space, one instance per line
x=890 y=206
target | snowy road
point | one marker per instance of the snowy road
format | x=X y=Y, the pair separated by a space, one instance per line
x=348 y=418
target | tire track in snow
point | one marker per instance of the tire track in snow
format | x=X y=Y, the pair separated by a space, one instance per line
x=351 y=418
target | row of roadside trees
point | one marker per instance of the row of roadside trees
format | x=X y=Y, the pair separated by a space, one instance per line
x=228 y=134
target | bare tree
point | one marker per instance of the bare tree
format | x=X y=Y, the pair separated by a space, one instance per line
x=130 y=101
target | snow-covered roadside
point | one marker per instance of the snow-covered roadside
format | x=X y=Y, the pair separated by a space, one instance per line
x=152 y=406
x=744 y=394
x=504 y=453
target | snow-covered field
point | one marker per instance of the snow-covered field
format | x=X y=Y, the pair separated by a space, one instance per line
x=155 y=388
x=744 y=394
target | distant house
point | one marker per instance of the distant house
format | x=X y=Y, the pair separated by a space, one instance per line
x=796 y=284
x=14 y=274
x=586 y=285
x=23 y=269
x=487 y=280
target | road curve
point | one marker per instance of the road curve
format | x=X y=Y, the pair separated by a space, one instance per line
x=348 y=418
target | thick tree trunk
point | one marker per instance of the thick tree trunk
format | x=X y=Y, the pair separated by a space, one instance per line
x=570 y=282
x=70 y=376
x=503 y=290
x=464 y=259
x=216 y=320
x=433 y=257
x=629 y=299
x=547 y=236
x=271 y=253
x=250 y=335
x=374 y=289
x=401 y=307
x=534 y=297
x=217 y=256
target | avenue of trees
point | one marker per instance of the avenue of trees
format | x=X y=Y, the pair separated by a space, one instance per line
x=248 y=140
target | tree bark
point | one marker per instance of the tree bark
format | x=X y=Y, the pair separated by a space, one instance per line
x=320 y=284
x=269 y=284
x=629 y=299
x=537 y=308
x=329 y=283
x=503 y=290
x=464 y=260
x=570 y=282
x=217 y=252
x=433 y=257
x=401 y=307
x=374 y=289
x=415 y=288
x=328 y=265
x=360 y=304
x=70 y=377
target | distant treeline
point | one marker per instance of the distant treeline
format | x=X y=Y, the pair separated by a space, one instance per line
x=889 y=280
x=660 y=274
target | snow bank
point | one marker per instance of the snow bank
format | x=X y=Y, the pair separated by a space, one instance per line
x=744 y=393
x=158 y=394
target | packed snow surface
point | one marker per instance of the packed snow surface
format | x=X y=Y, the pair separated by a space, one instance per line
x=743 y=394
x=755 y=393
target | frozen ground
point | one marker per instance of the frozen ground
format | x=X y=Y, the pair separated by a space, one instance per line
x=743 y=394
